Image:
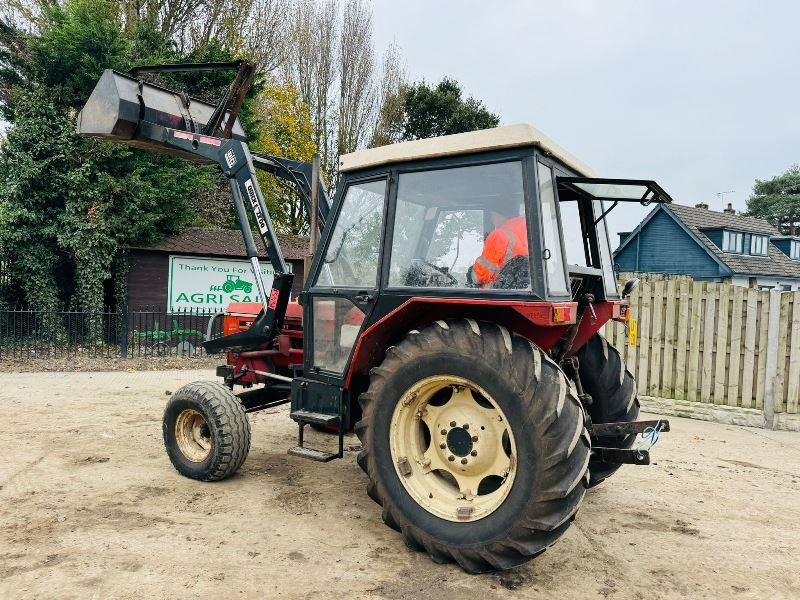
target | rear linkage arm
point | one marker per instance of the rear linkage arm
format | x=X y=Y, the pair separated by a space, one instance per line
x=650 y=430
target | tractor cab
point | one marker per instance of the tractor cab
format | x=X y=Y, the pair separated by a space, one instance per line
x=500 y=223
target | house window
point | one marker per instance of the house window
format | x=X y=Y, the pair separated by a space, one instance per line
x=732 y=241
x=795 y=250
x=758 y=245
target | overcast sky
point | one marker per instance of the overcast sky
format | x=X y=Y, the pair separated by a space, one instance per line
x=703 y=97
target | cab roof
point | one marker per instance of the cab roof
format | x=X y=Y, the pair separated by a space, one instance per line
x=498 y=138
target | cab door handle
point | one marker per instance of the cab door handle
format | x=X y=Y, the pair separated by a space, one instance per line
x=364 y=298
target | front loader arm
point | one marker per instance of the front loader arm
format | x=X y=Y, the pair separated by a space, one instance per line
x=297 y=173
x=124 y=109
x=236 y=162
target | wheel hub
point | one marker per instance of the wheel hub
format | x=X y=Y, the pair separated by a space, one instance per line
x=452 y=448
x=459 y=441
x=193 y=435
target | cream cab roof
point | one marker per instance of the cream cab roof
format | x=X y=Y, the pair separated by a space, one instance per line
x=498 y=138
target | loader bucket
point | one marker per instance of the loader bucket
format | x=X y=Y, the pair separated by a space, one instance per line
x=119 y=104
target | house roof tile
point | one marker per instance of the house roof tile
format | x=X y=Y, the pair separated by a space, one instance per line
x=222 y=242
x=699 y=220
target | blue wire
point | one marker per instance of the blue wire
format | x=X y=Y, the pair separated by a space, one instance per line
x=652 y=434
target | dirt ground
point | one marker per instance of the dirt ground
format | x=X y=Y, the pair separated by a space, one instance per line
x=31 y=364
x=91 y=508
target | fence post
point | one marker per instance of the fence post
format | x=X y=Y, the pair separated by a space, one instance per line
x=123 y=344
x=771 y=392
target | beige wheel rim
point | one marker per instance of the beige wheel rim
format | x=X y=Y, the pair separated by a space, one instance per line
x=193 y=435
x=452 y=448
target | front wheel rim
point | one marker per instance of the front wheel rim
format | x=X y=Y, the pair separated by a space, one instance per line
x=193 y=435
x=453 y=448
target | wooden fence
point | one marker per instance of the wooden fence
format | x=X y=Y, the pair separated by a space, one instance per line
x=714 y=343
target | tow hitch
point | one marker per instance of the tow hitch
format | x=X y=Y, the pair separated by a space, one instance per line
x=639 y=455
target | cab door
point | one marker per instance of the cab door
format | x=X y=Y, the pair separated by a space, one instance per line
x=343 y=284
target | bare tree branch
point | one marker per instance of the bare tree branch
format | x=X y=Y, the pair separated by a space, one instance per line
x=311 y=67
x=356 y=77
x=388 y=127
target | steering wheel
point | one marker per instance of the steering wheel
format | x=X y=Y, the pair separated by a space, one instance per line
x=444 y=271
x=432 y=273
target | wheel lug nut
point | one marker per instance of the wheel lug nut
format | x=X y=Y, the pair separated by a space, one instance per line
x=451 y=458
x=442 y=446
x=474 y=438
x=465 y=425
x=444 y=431
x=463 y=461
x=452 y=423
x=474 y=453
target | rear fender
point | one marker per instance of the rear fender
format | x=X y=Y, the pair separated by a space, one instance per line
x=544 y=323
x=603 y=312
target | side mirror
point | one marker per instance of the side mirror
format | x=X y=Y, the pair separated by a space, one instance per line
x=630 y=285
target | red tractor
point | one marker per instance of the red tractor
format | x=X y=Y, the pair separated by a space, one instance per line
x=485 y=399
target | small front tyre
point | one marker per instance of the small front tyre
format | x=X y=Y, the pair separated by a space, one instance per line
x=206 y=431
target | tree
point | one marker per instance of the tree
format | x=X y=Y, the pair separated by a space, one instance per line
x=68 y=203
x=441 y=110
x=256 y=29
x=356 y=78
x=330 y=60
x=29 y=212
x=285 y=130
x=310 y=67
x=388 y=127
x=778 y=201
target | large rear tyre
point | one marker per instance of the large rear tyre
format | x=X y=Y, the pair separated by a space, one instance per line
x=206 y=431
x=613 y=390
x=474 y=444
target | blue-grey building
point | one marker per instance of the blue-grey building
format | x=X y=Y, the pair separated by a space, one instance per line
x=711 y=246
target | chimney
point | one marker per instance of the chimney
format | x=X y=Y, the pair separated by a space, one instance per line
x=701 y=205
x=729 y=210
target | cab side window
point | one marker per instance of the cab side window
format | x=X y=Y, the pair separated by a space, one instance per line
x=351 y=260
x=554 y=259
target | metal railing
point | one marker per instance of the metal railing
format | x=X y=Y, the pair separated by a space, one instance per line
x=142 y=332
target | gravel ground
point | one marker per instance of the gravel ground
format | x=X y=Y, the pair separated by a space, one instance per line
x=90 y=507
x=33 y=364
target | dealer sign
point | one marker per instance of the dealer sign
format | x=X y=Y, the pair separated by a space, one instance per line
x=212 y=283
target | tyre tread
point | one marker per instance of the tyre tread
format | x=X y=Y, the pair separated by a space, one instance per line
x=564 y=471
x=613 y=390
x=231 y=424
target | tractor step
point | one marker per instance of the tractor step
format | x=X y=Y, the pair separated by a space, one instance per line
x=600 y=429
x=312 y=454
x=305 y=416
x=622 y=456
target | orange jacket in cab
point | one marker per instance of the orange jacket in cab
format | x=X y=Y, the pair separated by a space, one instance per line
x=503 y=244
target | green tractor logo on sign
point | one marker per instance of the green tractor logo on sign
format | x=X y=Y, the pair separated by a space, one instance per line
x=234 y=283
